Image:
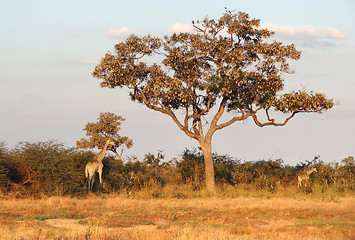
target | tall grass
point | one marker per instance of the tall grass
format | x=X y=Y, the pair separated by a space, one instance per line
x=115 y=216
x=187 y=191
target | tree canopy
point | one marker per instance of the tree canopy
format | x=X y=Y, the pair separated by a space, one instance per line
x=107 y=126
x=230 y=64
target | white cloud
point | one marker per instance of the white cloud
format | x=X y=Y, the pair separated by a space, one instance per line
x=118 y=33
x=293 y=32
x=181 y=27
x=306 y=32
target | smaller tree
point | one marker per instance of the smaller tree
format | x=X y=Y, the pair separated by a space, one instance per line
x=107 y=126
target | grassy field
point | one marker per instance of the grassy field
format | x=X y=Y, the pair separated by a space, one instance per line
x=117 y=217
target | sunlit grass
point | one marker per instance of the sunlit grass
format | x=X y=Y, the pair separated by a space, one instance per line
x=116 y=216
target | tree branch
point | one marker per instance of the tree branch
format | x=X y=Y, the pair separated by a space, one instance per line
x=271 y=121
x=119 y=155
x=213 y=126
x=169 y=112
x=149 y=105
x=184 y=128
x=233 y=120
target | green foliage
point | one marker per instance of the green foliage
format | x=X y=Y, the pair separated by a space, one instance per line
x=269 y=175
x=50 y=168
x=107 y=127
x=113 y=174
x=191 y=167
x=224 y=167
x=3 y=176
x=154 y=169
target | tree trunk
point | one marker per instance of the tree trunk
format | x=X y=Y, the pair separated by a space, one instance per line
x=209 y=169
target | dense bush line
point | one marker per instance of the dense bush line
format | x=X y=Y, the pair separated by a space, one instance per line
x=50 y=168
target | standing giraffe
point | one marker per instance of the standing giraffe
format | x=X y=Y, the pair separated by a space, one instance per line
x=305 y=177
x=129 y=185
x=96 y=166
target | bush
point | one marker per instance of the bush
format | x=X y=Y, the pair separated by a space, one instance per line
x=50 y=168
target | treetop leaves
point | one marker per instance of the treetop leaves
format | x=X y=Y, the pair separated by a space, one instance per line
x=230 y=61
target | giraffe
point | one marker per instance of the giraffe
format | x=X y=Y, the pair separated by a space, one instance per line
x=96 y=166
x=305 y=177
x=130 y=185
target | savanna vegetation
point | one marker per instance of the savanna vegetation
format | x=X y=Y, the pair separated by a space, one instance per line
x=114 y=217
x=229 y=65
x=50 y=168
x=226 y=71
x=43 y=196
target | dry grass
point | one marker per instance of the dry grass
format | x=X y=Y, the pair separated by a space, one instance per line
x=116 y=217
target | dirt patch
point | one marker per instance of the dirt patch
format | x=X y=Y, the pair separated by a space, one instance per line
x=65 y=223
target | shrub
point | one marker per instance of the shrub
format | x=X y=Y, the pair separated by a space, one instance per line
x=52 y=169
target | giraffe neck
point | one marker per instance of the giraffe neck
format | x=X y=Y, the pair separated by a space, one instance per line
x=102 y=154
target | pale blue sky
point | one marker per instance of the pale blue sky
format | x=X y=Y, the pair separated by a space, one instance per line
x=49 y=49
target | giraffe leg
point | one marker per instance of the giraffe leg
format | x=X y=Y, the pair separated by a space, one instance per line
x=87 y=177
x=299 y=182
x=88 y=184
x=100 y=177
x=92 y=182
x=100 y=173
x=89 y=180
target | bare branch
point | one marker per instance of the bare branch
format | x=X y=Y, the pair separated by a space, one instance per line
x=119 y=155
x=150 y=106
x=272 y=121
x=29 y=176
x=233 y=120
x=268 y=116
x=213 y=126
x=181 y=126
x=198 y=28
x=186 y=120
x=169 y=112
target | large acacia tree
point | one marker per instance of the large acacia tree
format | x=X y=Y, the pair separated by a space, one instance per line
x=228 y=67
